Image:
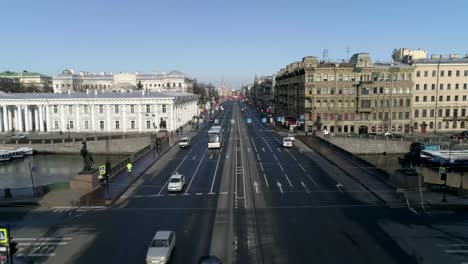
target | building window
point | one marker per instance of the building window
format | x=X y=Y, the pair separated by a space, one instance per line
x=432 y=113
x=448 y=98
x=441 y=86
x=148 y=124
x=180 y=84
x=447 y=112
x=457 y=86
x=325 y=77
x=463 y=112
x=406 y=115
x=400 y=115
x=424 y=113
x=117 y=124
x=458 y=73
x=319 y=91
x=441 y=98
x=116 y=109
x=425 y=87
x=466 y=73
x=56 y=124
x=416 y=113
x=455 y=113
x=449 y=73
x=439 y=113
x=132 y=124
x=86 y=124
x=433 y=86
x=417 y=87
x=442 y=73
x=465 y=86
x=55 y=109
x=432 y=98
x=101 y=125
x=464 y=98
x=132 y=109
x=416 y=99
x=332 y=91
x=70 y=109
x=456 y=98
x=408 y=102
x=424 y=98
x=418 y=74
x=164 y=106
x=449 y=86
x=70 y=124
x=434 y=73
x=148 y=108
x=425 y=73
x=85 y=109
x=101 y=109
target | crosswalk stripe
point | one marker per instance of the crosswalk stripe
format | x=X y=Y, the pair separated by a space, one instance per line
x=42 y=238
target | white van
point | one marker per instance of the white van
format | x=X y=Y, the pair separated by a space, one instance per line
x=184 y=142
x=287 y=142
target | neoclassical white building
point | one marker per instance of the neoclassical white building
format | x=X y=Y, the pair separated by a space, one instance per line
x=94 y=111
x=174 y=81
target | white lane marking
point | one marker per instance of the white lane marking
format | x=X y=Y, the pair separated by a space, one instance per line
x=223 y=193
x=167 y=182
x=248 y=149
x=258 y=156
x=255 y=147
x=305 y=187
x=194 y=157
x=280 y=187
x=211 y=156
x=296 y=160
x=256 y=186
x=267 y=144
x=42 y=238
x=275 y=157
x=340 y=186
x=281 y=167
x=312 y=180
x=42 y=243
x=37 y=255
x=287 y=178
x=266 y=181
x=261 y=166
x=194 y=174
x=212 y=193
x=214 y=177
x=278 y=149
x=242 y=160
x=199 y=193
x=455 y=251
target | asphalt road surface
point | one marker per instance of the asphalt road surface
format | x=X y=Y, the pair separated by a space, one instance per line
x=252 y=201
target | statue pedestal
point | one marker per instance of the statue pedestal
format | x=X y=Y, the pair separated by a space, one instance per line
x=85 y=181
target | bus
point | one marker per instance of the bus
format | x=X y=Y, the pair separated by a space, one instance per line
x=215 y=137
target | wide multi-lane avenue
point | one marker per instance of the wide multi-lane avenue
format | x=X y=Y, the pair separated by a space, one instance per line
x=252 y=201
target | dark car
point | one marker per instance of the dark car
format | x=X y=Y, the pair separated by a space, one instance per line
x=209 y=260
x=462 y=135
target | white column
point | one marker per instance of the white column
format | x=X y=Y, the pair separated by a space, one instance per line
x=140 y=114
x=62 y=118
x=124 y=117
x=26 y=118
x=41 y=118
x=78 y=129
x=156 y=116
x=108 y=118
x=5 y=119
x=92 y=118
x=36 y=118
x=47 y=118
x=16 y=119
x=172 y=117
x=10 y=119
x=20 y=118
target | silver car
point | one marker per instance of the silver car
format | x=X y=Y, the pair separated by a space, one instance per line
x=161 y=247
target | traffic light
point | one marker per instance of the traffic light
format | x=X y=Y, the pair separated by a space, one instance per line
x=13 y=248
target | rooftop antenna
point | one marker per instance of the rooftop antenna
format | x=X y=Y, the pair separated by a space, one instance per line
x=347 y=52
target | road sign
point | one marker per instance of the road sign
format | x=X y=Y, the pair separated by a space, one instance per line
x=102 y=170
x=249 y=120
x=264 y=120
x=4 y=236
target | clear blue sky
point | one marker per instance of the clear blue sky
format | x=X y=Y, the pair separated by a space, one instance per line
x=207 y=39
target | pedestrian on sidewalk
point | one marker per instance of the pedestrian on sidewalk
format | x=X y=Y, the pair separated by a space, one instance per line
x=129 y=169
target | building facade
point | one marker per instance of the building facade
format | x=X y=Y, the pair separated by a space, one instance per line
x=123 y=112
x=263 y=95
x=356 y=96
x=174 y=81
x=440 y=93
x=25 y=81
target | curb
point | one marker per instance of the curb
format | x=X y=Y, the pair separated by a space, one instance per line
x=347 y=173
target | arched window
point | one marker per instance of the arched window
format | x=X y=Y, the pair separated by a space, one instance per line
x=415 y=125
x=408 y=102
x=340 y=103
x=352 y=103
x=462 y=124
x=447 y=125
x=454 y=124
x=439 y=125
x=346 y=103
x=332 y=103
x=317 y=103
x=401 y=102
x=431 y=125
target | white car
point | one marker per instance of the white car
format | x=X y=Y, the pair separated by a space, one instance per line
x=161 y=247
x=287 y=142
x=291 y=136
x=176 y=183
x=184 y=142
